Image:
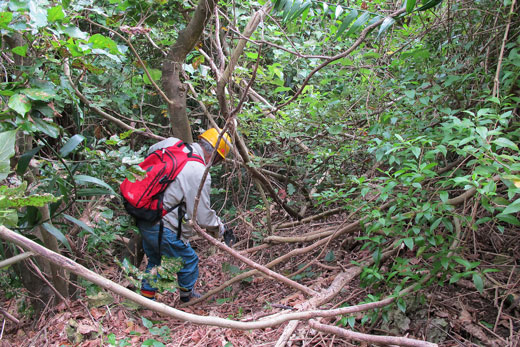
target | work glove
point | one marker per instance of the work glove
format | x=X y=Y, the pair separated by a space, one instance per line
x=229 y=236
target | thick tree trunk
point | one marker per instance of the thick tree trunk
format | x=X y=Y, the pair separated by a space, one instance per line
x=172 y=67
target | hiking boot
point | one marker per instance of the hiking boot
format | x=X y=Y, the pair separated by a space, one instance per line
x=185 y=296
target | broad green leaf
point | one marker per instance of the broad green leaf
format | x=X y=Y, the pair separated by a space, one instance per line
x=81 y=179
x=24 y=160
x=57 y=234
x=47 y=128
x=387 y=23
x=514 y=207
x=9 y=218
x=410 y=93
x=79 y=223
x=20 y=103
x=55 y=13
x=510 y=219
x=20 y=50
x=39 y=94
x=5 y=19
x=410 y=4
x=346 y=22
x=444 y=196
x=155 y=73
x=73 y=32
x=478 y=282
x=358 y=24
x=416 y=151
x=38 y=14
x=7 y=142
x=146 y=322
x=409 y=242
x=503 y=142
x=102 y=42
x=71 y=144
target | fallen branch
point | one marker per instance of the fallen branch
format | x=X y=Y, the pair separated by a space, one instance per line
x=252 y=264
x=384 y=340
x=9 y=316
x=15 y=259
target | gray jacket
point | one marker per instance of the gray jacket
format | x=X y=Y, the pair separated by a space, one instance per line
x=186 y=185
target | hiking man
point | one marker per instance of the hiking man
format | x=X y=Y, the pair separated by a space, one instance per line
x=183 y=190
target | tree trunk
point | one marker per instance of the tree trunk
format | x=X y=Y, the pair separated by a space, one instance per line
x=172 y=67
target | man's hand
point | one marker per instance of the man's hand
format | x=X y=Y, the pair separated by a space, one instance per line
x=229 y=236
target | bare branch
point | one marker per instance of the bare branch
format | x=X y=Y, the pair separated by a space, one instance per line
x=384 y=340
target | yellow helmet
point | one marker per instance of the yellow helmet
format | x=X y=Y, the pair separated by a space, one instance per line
x=224 y=146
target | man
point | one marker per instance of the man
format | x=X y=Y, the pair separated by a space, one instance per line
x=184 y=188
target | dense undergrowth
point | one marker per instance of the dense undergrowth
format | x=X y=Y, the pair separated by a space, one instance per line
x=414 y=135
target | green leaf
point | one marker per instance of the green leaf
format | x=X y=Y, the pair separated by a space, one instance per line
x=5 y=19
x=72 y=32
x=79 y=223
x=444 y=196
x=20 y=103
x=416 y=151
x=79 y=179
x=358 y=24
x=57 y=234
x=39 y=94
x=387 y=23
x=336 y=129
x=463 y=262
x=346 y=22
x=510 y=219
x=409 y=242
x=55 y=13
x=7 y=143
x=154 y=73
x=302 y=9
x=401 y=304
x=102 y=42
x=410 y=93
x=71 y=144
x=503 y=142
x=514 y=207
x=47 y=128
x=329 y=257
x=477 y=281
x=429 y=4
x=38 y=14
x=25 y=159
x=410 y=4
x=147 y=323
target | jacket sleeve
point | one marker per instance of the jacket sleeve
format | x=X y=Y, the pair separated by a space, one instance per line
x=206 y=217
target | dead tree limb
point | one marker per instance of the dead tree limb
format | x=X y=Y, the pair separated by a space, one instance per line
x=383 y=340
x=15 y=259
x=252 y=264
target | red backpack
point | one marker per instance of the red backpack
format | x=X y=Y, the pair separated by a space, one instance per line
x=144 y=199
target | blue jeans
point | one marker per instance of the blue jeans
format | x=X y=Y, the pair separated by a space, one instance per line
x=171 y=246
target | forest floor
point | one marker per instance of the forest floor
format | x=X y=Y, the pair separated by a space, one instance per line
x=450 y=315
